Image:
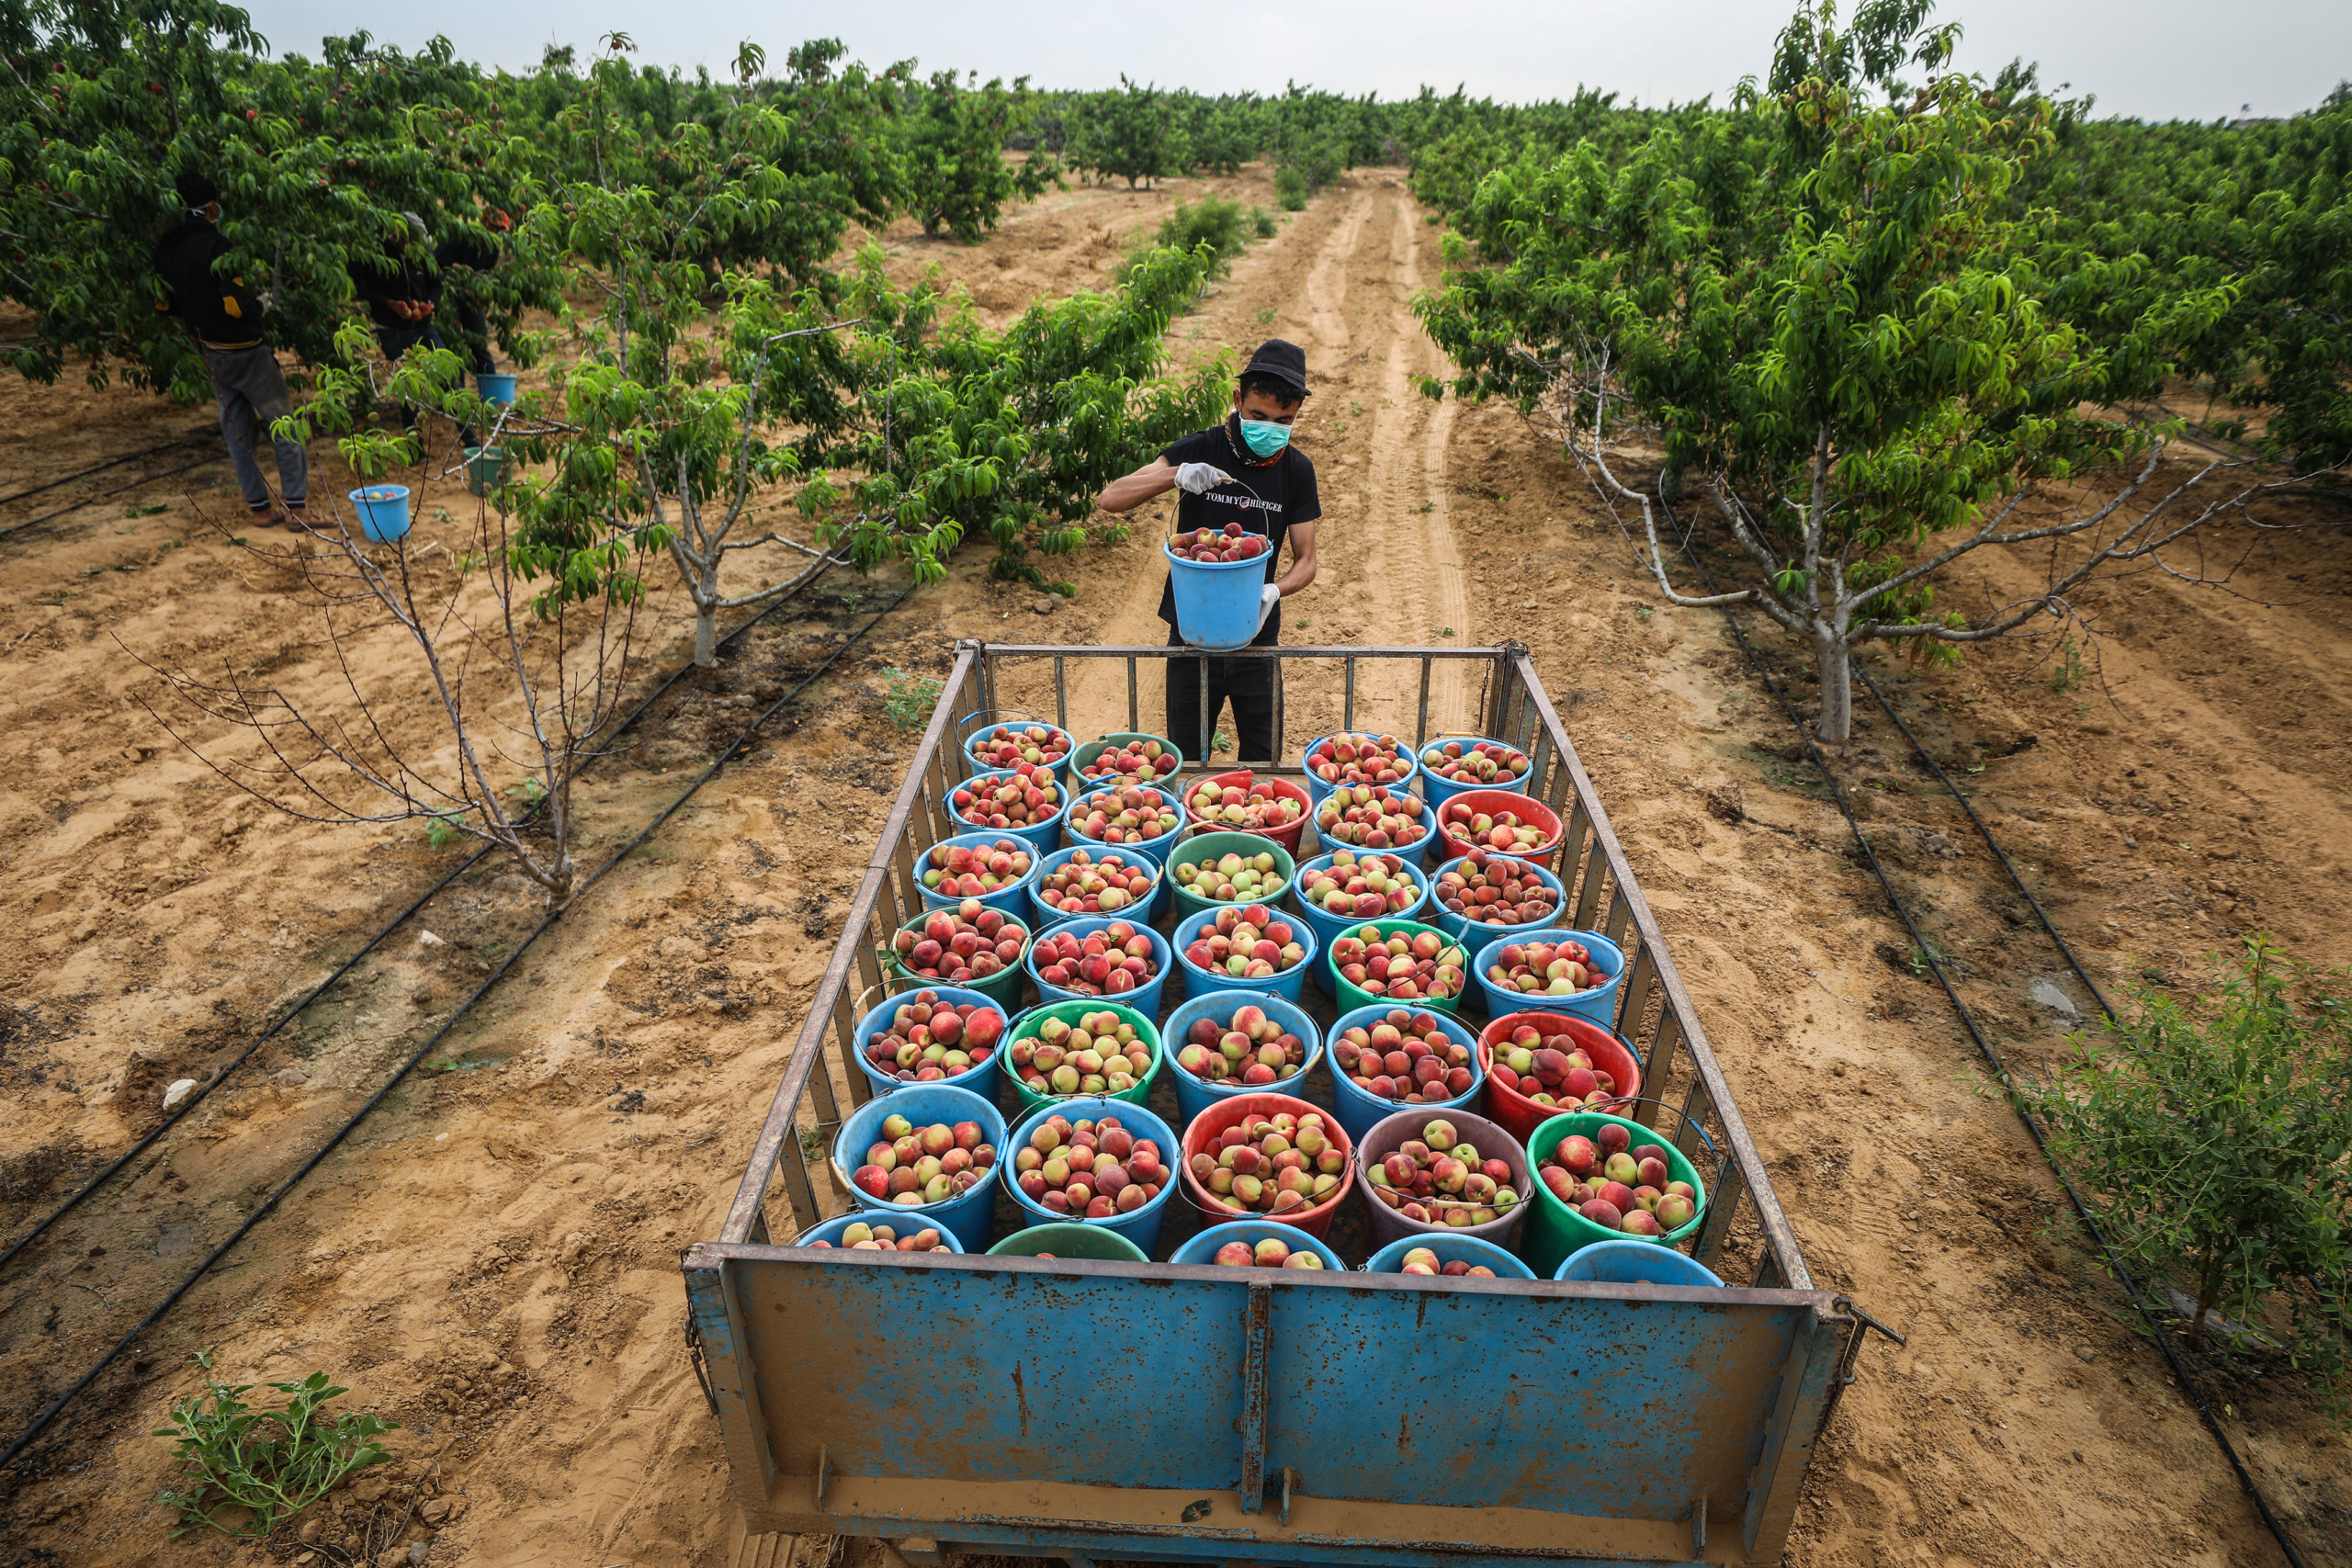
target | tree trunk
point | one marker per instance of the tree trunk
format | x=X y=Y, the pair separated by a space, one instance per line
x=704 y=586
x=1836 y=721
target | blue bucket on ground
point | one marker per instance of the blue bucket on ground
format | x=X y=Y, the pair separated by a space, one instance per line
x=1463 y=931
x=830 y=1230
x=1141 y=1226
x=1329 y=929
x=1470 y=1249
x=383 y=511
x=1217 y=602
x=1043 y=836
x=924 y=1103
x=1144 y=998
x=1634 y=1263
x=984 y=1080
x=1360 y=1113
x=1195 y=1095
x=1316 y=789
x=495 y=388
x=1201 y=1247
x=1009 y=900
x=1153 y=904
x=1286 y=985
x=1415 y=854
x=1438 y=791
x=1600 y=1004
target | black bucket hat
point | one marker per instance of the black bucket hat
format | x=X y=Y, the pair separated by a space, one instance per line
x=1282 y=360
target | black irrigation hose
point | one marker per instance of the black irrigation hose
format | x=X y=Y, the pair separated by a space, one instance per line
x=263 y=1210
x=291 y=1014
x=102 y=467
x=1991 y=842
x=102 y=496
x=2000 y=1068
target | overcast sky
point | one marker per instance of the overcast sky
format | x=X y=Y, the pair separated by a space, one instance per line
x=2151 y=59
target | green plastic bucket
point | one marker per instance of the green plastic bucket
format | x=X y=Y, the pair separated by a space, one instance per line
x=1210 y=846
x=487 y=468
x=1070 y=1012
x=1350 y=996
x=1083 y=758
x=1067 y=1240
x=1004 y=987
x=1554 y=1231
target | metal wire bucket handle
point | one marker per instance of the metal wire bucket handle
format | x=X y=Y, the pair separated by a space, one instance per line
x=964 y=737
x=1720 y=1160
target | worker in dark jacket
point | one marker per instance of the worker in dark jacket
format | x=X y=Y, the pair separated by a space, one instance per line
x=476 y=251
x=225 y=317
x=403 y=290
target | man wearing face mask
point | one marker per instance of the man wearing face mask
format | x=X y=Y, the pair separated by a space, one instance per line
x=1244 y=470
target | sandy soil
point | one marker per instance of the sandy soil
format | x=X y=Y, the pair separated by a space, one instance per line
x=491 y=1259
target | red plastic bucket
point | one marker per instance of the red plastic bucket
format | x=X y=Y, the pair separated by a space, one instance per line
x=1229 y=1112
x=1519 y=1115
x=1532 y=811
x=1242 y=778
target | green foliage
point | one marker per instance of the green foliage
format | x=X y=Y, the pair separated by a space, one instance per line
x=957 y=175
x=272 y=1462
x=1133 y=134
x=1290 y=188
x=2212 y=1135
x=909 y=700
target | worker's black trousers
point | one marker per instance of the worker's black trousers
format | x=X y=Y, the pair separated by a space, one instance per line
x=1247 y=683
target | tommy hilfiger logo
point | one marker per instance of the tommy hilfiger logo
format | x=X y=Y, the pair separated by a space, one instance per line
x=1244 y=501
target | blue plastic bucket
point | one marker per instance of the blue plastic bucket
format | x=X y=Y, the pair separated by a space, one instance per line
x=1012 y=900
x=1464 y=931
x=1286 y=985
x=1600 y=1004
x=1158 y=848
x=1438 y=791
x=829 y=1231
x=1195 y=1095
x=1144 y=998
x=1150 y=906
x=1328 y=928
x=1201 y=1247
x=922 y=1103
x=1360 y=1113
x=1316 y=789
x=1415 y=854
x=985 y=1079
x=1061 y=770
x=1634 y=1263
x=1470 y=1249
x=1217 y=602
x=495 y=388
x=1043 y=836
x=383 y=511
x=1142 y=1226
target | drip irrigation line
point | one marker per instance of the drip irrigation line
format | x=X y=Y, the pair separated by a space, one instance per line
x=298 y=1009
x=334 y=1141
x=2187 y=1381
x=102 y=467
x=1991 y=842
x=103 y=495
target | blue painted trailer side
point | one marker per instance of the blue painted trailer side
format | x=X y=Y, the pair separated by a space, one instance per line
x=1059 y=1406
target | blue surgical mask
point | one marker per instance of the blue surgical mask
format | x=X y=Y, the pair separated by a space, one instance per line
x=1263 y=437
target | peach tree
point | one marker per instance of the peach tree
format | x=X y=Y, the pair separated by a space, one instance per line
x=1823 y=310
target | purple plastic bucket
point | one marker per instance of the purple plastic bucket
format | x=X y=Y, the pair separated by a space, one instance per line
x=1487 y=1137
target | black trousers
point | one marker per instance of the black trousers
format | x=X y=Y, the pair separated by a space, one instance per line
x=1247 y=683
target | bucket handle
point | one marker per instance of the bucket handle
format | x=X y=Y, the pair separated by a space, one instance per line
x=1720 y=1158
x=983 y=714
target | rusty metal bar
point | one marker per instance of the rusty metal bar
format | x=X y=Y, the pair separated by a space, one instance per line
x=1347 y=716
x=1620 y=911
x=1208 y=719
x=1745 y=1162
x=1061 y=698
x=1422 y=714
x=807 y=1051
x=1697 y=1105
x=1258 y=1332
x=994 y=651
x=1134 y=713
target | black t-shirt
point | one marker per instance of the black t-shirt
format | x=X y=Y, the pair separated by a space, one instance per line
x=1268 y=496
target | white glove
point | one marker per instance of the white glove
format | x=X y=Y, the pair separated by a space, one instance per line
x=1196 y=479
x=1267 y=599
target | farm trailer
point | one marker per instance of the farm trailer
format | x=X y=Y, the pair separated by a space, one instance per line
x=1214 y=1415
